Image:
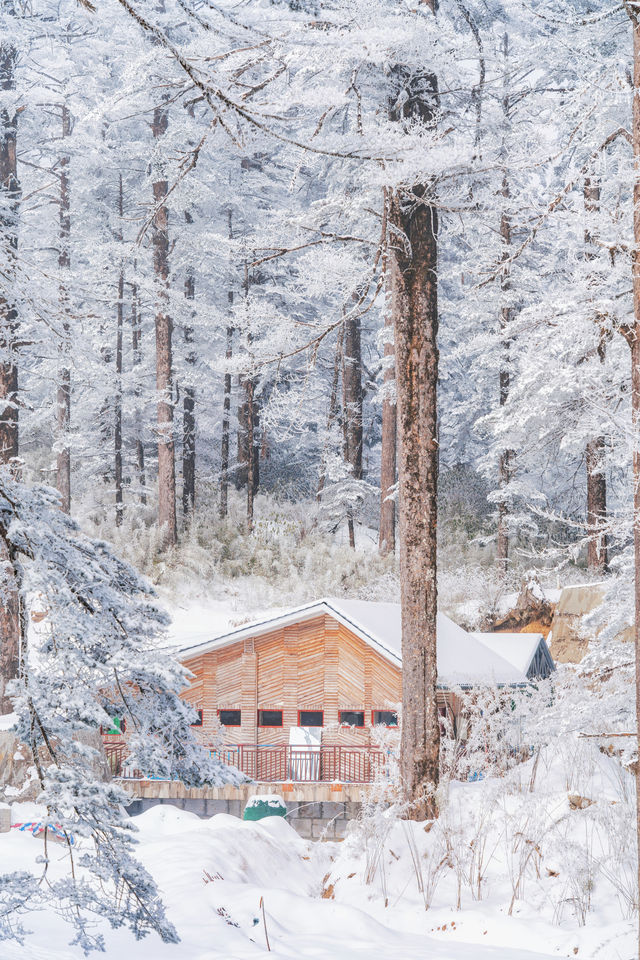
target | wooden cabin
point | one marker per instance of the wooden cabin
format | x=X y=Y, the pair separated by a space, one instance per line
x=334 y=666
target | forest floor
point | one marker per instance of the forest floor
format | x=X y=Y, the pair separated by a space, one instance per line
x=561 y=868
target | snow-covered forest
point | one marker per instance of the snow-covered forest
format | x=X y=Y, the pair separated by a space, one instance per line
x=304 y=299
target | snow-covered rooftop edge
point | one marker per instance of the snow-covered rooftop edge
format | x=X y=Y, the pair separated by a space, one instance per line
x=463 y=658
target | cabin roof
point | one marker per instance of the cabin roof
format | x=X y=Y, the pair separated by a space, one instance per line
x=463 y=658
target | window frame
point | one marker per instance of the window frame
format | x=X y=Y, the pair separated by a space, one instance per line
x=356 y=726
x=390 y=726
x=230 y=710
x=200 y=721
x=270 y=726
x=300 y=724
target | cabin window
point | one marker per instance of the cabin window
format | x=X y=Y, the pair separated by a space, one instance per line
x=198 y=722
x=351 y=718
x=311 y=718
x=269 y=718
x=388 y=718
x=230 y=718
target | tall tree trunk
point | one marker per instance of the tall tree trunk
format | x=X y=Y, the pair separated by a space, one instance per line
x=9 y=439
x=352 y=402
x=414 y=251
x=252 y=452
x=248 y=471
x=333 y=409
x=63 y=472
x=387 y=538
x=164 y=357
x=226 y=426
x=117 y=406
x=189 y=415
x=506 y=456
x=597 y=558
x=136 y=351
x=632 y=334
x=506 y=316
x=10 y=195
x=226 y=402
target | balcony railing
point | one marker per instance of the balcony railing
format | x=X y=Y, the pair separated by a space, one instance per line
x=283 y=763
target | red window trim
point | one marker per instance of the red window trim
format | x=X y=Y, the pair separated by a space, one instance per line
x=391 y=726
x=310 y=711
x=270 y=726
x=200 y=713
x=354 y=726
x=239 y=709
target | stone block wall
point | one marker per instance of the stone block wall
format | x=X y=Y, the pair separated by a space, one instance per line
x=313 y=810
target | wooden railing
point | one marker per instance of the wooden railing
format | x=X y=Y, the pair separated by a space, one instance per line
x=282 y=763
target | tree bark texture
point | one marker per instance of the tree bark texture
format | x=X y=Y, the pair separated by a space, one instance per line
x=117 y=406
x=226 y=426
x=597 y=552
x=164 y=355
x=136 y=359
x=414 y=254
x=10 y=621
x=63 y=462
x=505 y=462
x=189 y=414
x=9 y=213
x=506 y=456
x=248 y=470
x=226 y=401
x=333 y=409
x=633 y=338
x=387 y=537
x=352 y=406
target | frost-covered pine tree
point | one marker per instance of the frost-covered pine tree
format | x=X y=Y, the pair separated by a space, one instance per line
x=94 y=653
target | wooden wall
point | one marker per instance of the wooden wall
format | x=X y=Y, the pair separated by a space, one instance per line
x=313 y=665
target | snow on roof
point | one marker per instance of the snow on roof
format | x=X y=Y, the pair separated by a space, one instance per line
x=518 y=648
x=463 y=658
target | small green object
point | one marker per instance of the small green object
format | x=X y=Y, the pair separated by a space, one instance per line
x=270 y=805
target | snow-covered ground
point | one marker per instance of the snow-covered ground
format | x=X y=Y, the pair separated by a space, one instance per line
x=222 y=919
x=563 y=864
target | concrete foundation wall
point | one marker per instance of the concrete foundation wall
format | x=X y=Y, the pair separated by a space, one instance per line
x=314 y=810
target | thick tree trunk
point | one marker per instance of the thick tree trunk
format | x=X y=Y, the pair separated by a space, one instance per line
x=387 y=537
x=164 y=357
x=136 y=359
x=63 y=471
x=117 y=406
x=10 y=197
x=189 y=416
x=597 y=553
x=352 y=404
x=414 y=253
